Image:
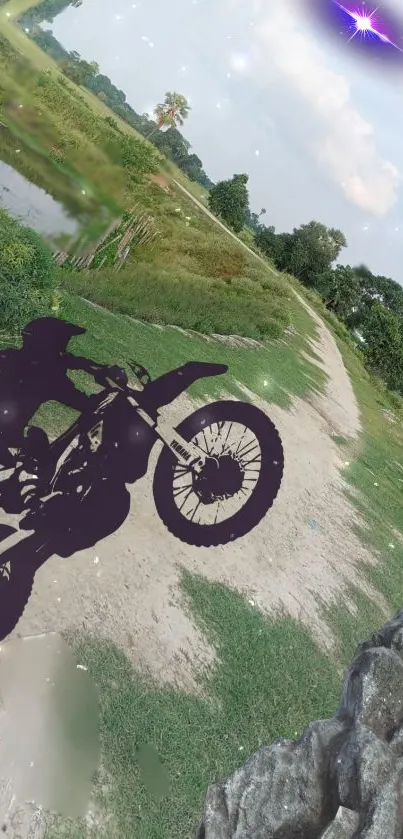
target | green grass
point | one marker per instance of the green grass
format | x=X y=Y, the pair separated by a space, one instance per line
x=260 y=688
x=189 y=301
x=93 y=211
x=45 y=113
x=195 y=277
x=272 y=371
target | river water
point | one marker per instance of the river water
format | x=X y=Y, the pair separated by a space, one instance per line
x=33 y=205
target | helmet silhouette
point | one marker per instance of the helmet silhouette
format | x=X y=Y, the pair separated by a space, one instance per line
x=50 y=332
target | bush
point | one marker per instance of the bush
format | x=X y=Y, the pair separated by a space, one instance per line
x=217 y=257
x=28 y=274
x=174 y=296
x=113 y=124
x=135 y=156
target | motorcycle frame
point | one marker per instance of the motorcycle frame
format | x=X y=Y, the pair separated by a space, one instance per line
x=186 y=453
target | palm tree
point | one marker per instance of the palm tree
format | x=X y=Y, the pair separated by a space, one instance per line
x=172 y=111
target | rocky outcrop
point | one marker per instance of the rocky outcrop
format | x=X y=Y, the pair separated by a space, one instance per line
x=342 y=779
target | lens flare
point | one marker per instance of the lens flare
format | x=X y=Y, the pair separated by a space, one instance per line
x=365 y=24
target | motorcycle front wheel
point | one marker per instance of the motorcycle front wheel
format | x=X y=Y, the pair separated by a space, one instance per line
x=239 y=483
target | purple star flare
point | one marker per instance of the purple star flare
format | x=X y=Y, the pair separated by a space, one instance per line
x=375 y=32
x=365 y=24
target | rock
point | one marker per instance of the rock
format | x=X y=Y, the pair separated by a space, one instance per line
x=342 y=779
x=343 y=825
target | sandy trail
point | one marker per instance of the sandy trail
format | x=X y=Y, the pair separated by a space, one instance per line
x=304 y=551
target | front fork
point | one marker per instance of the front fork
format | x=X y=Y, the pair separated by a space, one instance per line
x=187 y=454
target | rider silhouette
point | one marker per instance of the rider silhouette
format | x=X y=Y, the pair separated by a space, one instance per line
x=35 y=374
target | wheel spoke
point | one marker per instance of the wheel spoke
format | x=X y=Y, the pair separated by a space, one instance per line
x=240 y=441
x=220 y=439
x=195 y=510
x=224 y=449
x=198 y=443
x=178 y=492
x=186 y=498
x=245 y=463
x=247 y=449
x=205 y=439
x=181 y=472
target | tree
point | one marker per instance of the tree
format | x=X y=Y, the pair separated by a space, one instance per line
x=375 y=289
x=382 y=332
x=307 y=253
x=266 y=240
x=171 y=112
x=78 y=70
x=391 y=293
x=230 y=200
x=340 y=289
x=173 y=144
x=313 y=249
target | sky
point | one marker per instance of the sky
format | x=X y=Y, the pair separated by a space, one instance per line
x=274 y=92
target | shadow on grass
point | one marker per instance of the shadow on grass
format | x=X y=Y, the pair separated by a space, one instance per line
x=270 y=680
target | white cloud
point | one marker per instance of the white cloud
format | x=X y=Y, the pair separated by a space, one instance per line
x=346 y=147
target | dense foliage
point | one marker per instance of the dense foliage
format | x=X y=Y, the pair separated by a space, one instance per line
x=28 y=274
x=230 y=200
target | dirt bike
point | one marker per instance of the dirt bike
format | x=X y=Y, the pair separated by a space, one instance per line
x=216 y=477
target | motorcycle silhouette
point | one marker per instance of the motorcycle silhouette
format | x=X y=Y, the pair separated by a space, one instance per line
x=216 y=477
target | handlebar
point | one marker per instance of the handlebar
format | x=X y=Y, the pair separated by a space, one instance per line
x=118 y=376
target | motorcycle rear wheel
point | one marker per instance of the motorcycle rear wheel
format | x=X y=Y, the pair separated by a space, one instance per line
x=271 y=467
